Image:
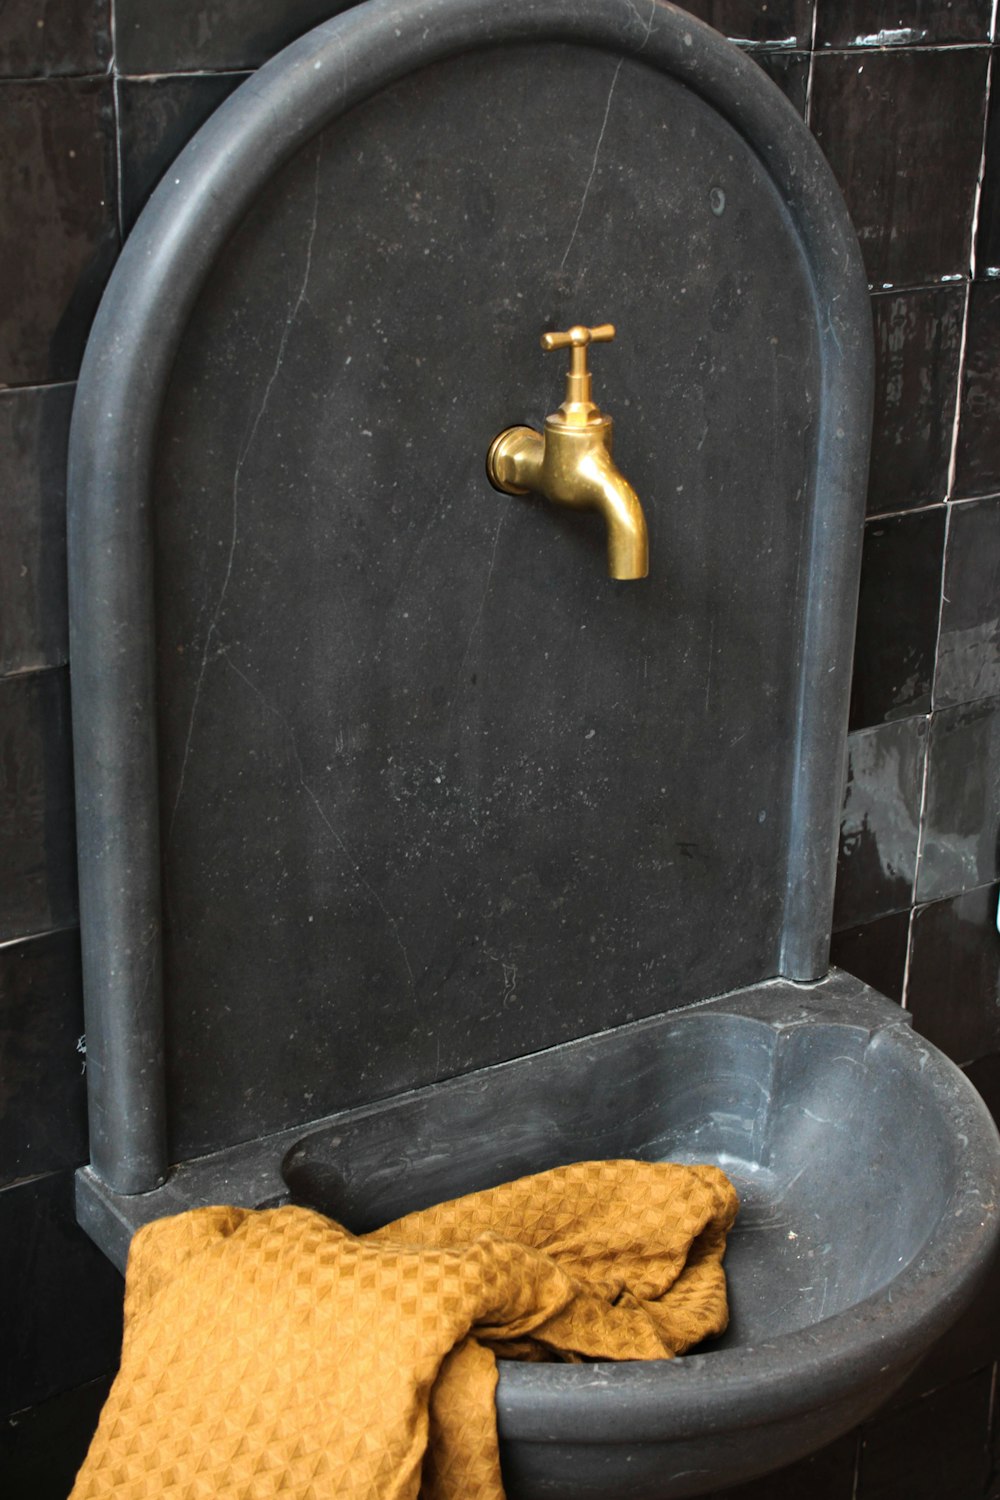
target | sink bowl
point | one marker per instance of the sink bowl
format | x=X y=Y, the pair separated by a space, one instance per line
x=867 y=1170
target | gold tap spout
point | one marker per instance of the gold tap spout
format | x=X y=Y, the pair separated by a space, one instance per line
x=571 y=464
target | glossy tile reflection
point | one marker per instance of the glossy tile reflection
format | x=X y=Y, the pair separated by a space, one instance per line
x=775 y=22
x=978 y=454
x=897 y=617
x=988 y=234
x=918 y=342
x=901 y=23
x=870 y=115
x=878 y=833
x=968 y=661
x=961 y=846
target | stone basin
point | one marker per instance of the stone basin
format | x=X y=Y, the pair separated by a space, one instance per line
x=867 y=1171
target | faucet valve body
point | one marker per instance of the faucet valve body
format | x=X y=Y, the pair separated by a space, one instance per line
x=570 y=463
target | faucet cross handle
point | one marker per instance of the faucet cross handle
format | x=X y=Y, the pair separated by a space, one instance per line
x=579 y=337
x=578 y=407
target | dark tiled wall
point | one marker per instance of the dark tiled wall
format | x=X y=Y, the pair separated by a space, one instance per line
x=899 y=96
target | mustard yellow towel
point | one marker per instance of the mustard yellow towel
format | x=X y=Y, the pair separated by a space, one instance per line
x=273 y=1353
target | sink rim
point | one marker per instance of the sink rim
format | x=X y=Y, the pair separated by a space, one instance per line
x=882 y=1335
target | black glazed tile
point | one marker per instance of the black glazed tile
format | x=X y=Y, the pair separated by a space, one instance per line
x=908 y=173
x=953 y=986
x=60 y=1297
x=213 y=34
x=34 y=429
x=901 y=23
x=157 y=117
x=968 y=659
x=898 y=610
x=59 y=233
x=826 y=1475
x=42 y=1448
x=977 y=462
x=918 y=340
x=878 y=831
x=43 y=1108
x=932 y=1449
x=962 y=813
x=988 y=232
x=772 y=23
x=790 y=71
x=875 y=952
x=984 y=1075
x=44 y=38
x=37 y=847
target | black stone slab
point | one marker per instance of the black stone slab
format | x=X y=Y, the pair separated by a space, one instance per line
x=34 y=430
x=880 y=827
x=49 y=39
x=870 y=116
x=60 y=1298
x=918 y=340
x=401 y=700
x=968 y=658
x=43 y=1112
x=38 y=871
x=57 y=185
x=901 y=23
x=959 y=848
x=414 y=767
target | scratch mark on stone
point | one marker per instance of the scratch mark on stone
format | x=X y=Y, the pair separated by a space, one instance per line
x=593 y=164
x=241 y=459
x=486 y=588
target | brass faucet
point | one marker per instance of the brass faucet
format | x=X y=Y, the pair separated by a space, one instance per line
x=571 y=463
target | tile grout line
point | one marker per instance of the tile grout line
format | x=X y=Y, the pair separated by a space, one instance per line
x=812 y=65
x=963 y=343
x=116 y=96
x=856 y=1476
x=977 y=199
x=34 y=937
x=925 y=778
x=976 y=202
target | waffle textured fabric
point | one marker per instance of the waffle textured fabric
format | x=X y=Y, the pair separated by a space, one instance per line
x=272 y=1353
